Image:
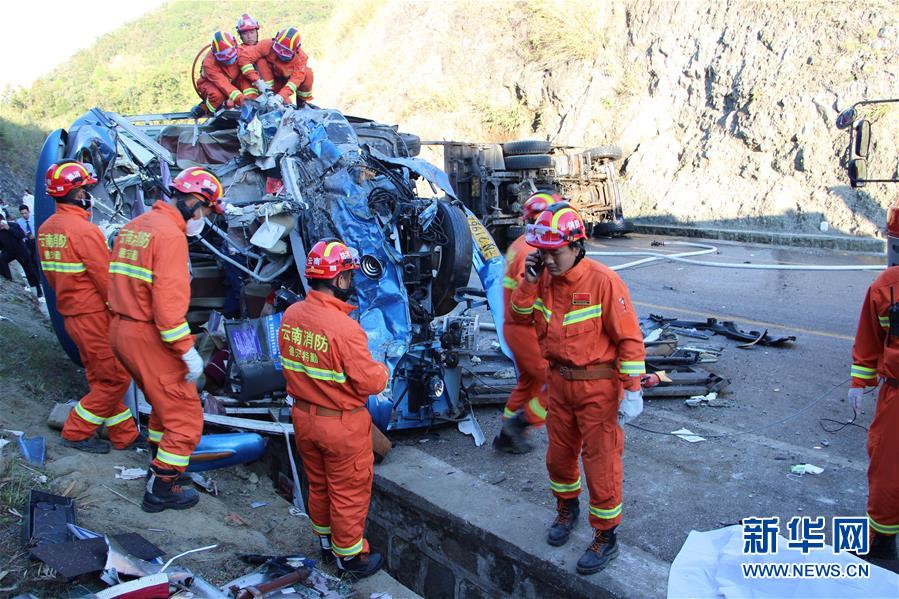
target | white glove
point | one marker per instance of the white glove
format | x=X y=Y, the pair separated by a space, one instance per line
x=855 y=398
x=262 y=86
x=194 y=364
x=631 y=406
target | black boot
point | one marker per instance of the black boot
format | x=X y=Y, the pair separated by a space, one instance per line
x=327 y=555
x=568 y=511
x=140 y=442
x=601 y=551
x=512 y=438
x=90 y=445
x=360 y=565
x=162 y=492
x=883 y=547
x=199 y=111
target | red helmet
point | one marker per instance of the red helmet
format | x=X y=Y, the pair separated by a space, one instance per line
x=224 y=47
x=286 y=43
x=556 y=226
x=64 y=177
x=327 y=259
x=202 y=184
x=246 y=23
x=537 y=203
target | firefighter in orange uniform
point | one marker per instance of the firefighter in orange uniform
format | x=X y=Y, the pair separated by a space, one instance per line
x=589 y=334
x=875 y=354
x=279 y=64
x=526 y=406
x=149 y=296
x=330 y=375
x=75 y=259
x=220 y=81
x=248 y=29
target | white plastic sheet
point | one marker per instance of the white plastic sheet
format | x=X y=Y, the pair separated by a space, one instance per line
x=710 y=565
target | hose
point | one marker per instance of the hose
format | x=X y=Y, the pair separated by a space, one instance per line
x=193 y=69
x=708 y=249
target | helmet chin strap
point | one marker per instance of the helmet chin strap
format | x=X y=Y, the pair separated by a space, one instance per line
x=186 y=211
x=581 y=251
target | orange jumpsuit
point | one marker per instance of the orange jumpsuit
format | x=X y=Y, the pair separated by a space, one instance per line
x=585 y=318
x=149 y=294
x=285 y=78
x=876 y=354
x=330 y=373
x=219 y=82
x=75 y=260
x=530 y=393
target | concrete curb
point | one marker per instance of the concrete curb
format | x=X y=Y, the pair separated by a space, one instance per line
x=830 y=242
x=446 y=533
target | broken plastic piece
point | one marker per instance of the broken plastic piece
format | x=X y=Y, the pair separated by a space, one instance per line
x=130 y=473
x=688 y=435
x=155 y=586
x=471 y=426
x=33 y=449
x=47 y=519
x=806 y=469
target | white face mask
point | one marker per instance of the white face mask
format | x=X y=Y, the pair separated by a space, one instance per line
x=195 y=226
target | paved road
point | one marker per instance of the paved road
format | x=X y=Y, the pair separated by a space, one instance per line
x=672 y=486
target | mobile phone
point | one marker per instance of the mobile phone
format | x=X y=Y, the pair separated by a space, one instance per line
x=535 y=270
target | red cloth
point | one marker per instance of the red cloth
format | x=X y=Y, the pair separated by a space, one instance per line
x=149 y=294
x=583 y=318
x=325 y=354
x=530 y=393
x=338 y=461
x=108 y=381
x=876 y=355
x=284 y=77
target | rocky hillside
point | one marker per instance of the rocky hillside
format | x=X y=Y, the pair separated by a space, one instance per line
x=725 y=110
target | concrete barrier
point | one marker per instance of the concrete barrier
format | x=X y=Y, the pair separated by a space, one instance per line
x=830 y=242
x=447 y=534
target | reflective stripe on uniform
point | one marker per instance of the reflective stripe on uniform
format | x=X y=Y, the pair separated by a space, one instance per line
x=884 y=321
x=250 y=91
x=509 y=283
x=119 y=418
x=563 y=488
x=172 y=458
x=246 y=68
x=66 y=267
x=233 y=94
x=634 y=368
x=606 y=514
x=347 y=551
x=87 y=415
x=576 y=316
x=886 y=529
x=303 y=94
x=522 y=309
x=862 y=372
x=292 y=86
x=536 y=408
x=539 y=306
x=270 y=82
x=130 y=270
x=172 y=335
x=322 y=530
x=507 y=413
x=154 y=436
x=319 y=374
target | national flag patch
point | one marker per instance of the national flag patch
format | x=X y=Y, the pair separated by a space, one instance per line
x=580 y=299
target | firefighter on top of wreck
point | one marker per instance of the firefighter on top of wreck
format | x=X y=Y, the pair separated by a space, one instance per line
x=875 y=355
x=589 y=334
x=330 y=374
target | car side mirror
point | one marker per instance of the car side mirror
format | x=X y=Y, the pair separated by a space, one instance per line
x=858 y=172
x=846 y=118
x=862 y=138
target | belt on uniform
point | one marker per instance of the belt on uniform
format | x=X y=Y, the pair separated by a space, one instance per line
x=586 y=373
x=892 y=382
x=305 y=406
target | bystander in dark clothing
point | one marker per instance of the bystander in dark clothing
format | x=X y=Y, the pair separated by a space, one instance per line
x=12 y=247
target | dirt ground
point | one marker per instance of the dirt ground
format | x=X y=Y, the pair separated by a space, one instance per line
x=35 y=373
